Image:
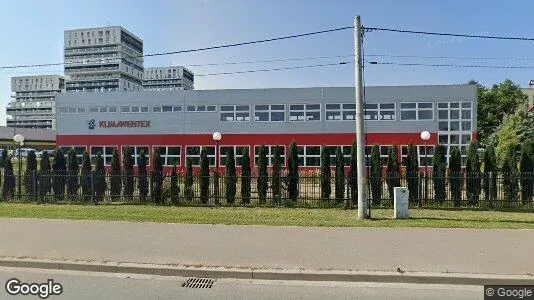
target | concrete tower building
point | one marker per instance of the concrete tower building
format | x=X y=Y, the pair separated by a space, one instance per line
x=103 y=59
x=168 y=79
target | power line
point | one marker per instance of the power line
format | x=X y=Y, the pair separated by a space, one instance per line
x=274 y=69
x=450 y=65
x=452 y=57
x=268 y=61
x=478 y=36
x=188 y=50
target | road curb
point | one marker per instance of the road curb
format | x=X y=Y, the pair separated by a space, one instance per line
x=269 y=274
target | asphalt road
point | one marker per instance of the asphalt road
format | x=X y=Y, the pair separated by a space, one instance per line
x=85 y=285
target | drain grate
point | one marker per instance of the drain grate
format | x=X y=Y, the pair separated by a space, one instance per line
x=198 y=283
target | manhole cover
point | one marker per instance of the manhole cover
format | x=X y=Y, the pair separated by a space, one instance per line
x=198 y=283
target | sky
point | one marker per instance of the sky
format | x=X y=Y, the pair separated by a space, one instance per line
x=32 y=33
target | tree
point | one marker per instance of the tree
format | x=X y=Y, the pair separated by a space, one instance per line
x=99 y=178
x=31 y=174
x=45 y=176
x=277 y=176
x=230 y=179
x=393 y=170
x=204 y=176
x=293 y=174
x=3 y=158
x=439 y=171
x=115 y=173
x=263 y=179
x=472 y=174
x=86 y=176
x=175 y=188
x=455 y=175
x=128 y=180
x=353 y=175
x=509 y=170
x=412 y=172
x=505 y=136
x=60 y=172
x=143 y=177
x=157 y=178
x=8 y=190
x=189 y=193
x=494 y=104
x=340 y=176
x=376 y=175
x=245 y=178
x=326 y=175
x=72 y=174
x=526 y=169
x=490 y=166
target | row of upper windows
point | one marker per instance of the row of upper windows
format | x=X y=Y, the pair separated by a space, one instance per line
x=299 y=112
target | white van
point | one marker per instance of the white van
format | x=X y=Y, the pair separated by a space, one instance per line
x=23 y=152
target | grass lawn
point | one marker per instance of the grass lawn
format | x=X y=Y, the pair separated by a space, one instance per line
x=271 y=216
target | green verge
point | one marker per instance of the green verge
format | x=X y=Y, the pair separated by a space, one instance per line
x=271 y=216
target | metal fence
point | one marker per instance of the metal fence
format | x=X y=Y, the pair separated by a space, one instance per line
x=485 y=190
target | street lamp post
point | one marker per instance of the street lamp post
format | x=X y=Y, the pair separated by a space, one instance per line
x=425 y=136
x=216 y=137
x=19 y=139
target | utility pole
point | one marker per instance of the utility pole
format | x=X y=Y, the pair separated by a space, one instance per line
x=360 y=134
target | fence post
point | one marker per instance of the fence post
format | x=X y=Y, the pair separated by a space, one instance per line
x=491 y=195
x=420 y=180
x=216 y=188
x=93 y=187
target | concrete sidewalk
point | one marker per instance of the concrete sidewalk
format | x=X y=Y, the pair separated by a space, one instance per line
x=438 y=251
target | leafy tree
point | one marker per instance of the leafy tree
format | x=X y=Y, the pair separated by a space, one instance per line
x=230 y=179
x=8 y=190
x=263 y=179
x=31 y=174
x=245 y=178
x=353 y=175
x=175 y=188
x=204 y=176
x=60 y=172
x=340 y=176
x=3 y=157
x=99 y=178
x=157 y=178
x=490 y=166
x=143 y=176
x=509 y=169
x=293 y=174
x=376 y=175
x=86 y=177
x=439 y=170
x=128 y=180
x=326 y=175
x=393 y=170
x=45 y=176
x=115 y=173
x=455 y=175
x=505 y=136
x=72 y=173
x=526 y=168
x=189 y=193
x=412 y=172
x=472 y=174
x=277 y=175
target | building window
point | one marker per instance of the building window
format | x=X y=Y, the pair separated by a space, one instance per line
x=103 y=109
x=269 y=152
x=269 y=113
x=177 y=108
x=79 y=150
x=106 y=151
x=170 y=155
x=112 y=109
x=166 y=108
x=136 y=153
x=193 y=153
x=417 y=111
x=304 y=112
x=144 y=109
x=201 y=108
x=425 y=156
x=238 y=153
x=332 y=150
x=125 y=109
x=235 y=113
x=156 y=109
x=134 y=109
x=309 y=156
x=81 y=110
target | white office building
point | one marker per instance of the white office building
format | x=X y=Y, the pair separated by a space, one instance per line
x=33 y=101
x=168 y=79
x=103 y=59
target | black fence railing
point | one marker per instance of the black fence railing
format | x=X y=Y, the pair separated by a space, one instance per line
x=485 y=190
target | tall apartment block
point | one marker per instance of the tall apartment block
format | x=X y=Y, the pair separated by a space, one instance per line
x=168 y=79
x=33 y=101
x=103 y=59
